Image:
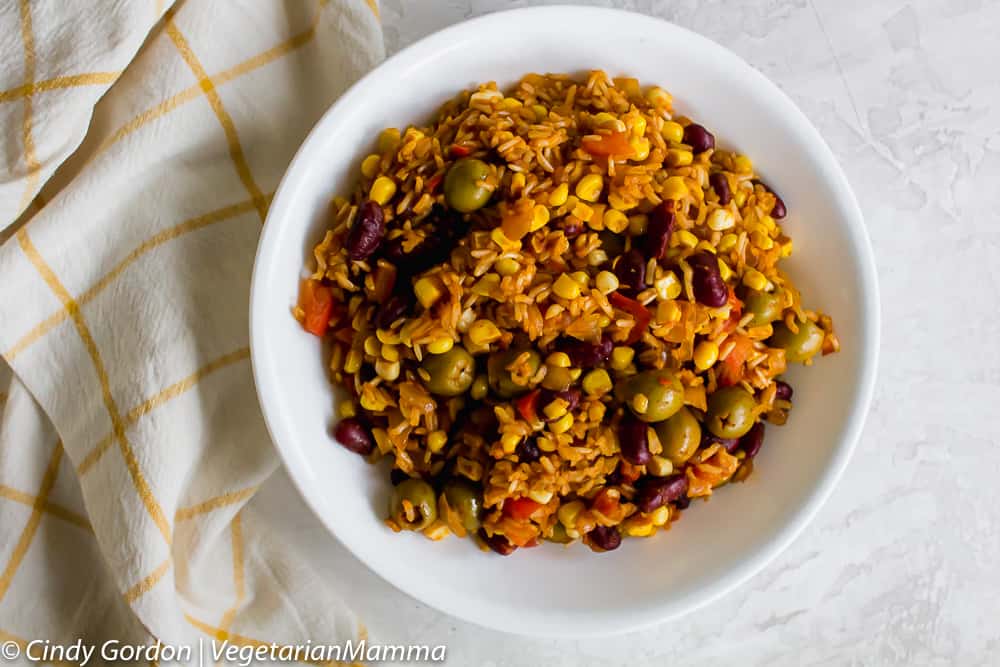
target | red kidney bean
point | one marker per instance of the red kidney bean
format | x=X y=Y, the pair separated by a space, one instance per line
x=528 y=452
x=698 y=138
x=633 y=440
x=656 y=492
x=659 y=228
x=497 y=543
x=444 y=227
x=616 y=477
x=682 y=503
x=751 y=442
x=354 y=436
x=606 y=538
x=783 y=390
x=393 y=309
x=586 y=355
x=730 y=444
x=630 y=269
x=368 y=230
x=709 y=287
x=571 y=396
x=720 y=184
x=778 y=211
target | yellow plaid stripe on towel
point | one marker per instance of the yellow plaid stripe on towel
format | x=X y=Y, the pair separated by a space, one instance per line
x=150 y=141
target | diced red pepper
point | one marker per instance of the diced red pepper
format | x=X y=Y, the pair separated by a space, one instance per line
x=316 y=301
x=458 y=150
x=433 y=182
x=615 y=144
x=520 y=508
x=636 y=310
x=527 y=405
x=735 y=312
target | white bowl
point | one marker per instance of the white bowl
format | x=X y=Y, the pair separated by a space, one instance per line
x=551 y=590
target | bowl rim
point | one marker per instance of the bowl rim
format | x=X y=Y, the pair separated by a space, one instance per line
x=599 y=623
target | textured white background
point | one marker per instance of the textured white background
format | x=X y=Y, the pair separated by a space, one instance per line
x=901 y=566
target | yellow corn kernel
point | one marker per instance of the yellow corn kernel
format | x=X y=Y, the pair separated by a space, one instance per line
x=388 y=140
x=559 y=196
x=674 y=188
x=427 y=291
x=628 y=85
x=769 y=223
x=390 y=352
x=621 y=358
x=706 y=353
x=638 y=126
x=566 y=287
x=659 y=466
x=369 y=166
x=556 y=409
x=761 y=240
x=706 y=246
x=511 y=103
x=742 y=164
x=540 y=497
x=672 y=131
x=562 y=424
x=347 y=409
x=352 y=362
x=583 y=211
x=558 y=360
x=728 y=242
x=638 y=526
x=679 y=158
x=372 y=347
x=382 y=190
x=509 y=442
x=480 y=386
x=541 y=113
x=506 y=244
x=387 y=337
x=507 y=266
x=436 y=440
x=640 y=403
x=668 y=287
x=589 y=187
x=686 y=238
x=721 y=219
x=640 y=148
x=568 y=514
x=596 y=222
x=620 y=203
x=387 y=370
x=786 y=248
x=740 y=196
x=597 y=382
x=484 y=332
x=606 y=281
x=667 y=312
x=615 y=220
x=440 y=345
x=659 y=97
x=485 y=285
x=574 y=373
x=581 y=277
x=724 y=270
x=754 y=279
x=660 y=516
x=539 y=217
x=517 y=182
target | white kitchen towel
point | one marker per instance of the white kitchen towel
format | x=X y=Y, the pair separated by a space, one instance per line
x=142 y=145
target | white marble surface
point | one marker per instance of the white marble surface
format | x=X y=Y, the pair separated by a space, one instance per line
x=900 y=566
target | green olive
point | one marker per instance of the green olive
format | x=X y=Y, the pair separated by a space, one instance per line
x=501 y=380
x=559 y=535
x=613 y=244
x=798 y=346
x=465 y=185
x=557 y=378
x=765 y=306
x=653 y=395
x=730 y=412
x=465 y=501
x=420 y=495
x=451 y=373
x=680 y=436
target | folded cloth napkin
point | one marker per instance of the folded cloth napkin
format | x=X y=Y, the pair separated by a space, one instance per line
x=142 y=145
